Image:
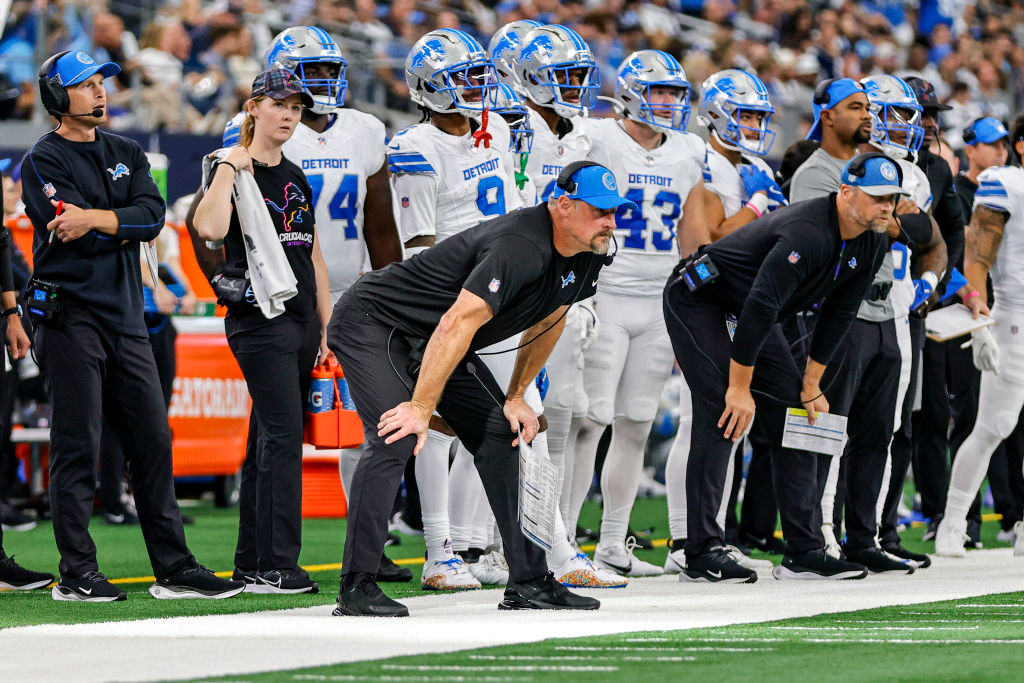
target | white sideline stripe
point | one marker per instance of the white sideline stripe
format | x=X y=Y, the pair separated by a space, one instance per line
x=511 y=667
x=238 y=644
x=875 y=628
x=1018 y=605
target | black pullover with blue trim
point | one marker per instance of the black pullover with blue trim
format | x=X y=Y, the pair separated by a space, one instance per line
x=98 y=271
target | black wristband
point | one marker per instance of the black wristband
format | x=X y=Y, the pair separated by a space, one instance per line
x=222 y=161
x=812 y=400
x=12 y=310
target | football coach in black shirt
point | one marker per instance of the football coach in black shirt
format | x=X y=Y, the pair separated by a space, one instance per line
x=406 y=337
x=92 y=201
x=722 y=306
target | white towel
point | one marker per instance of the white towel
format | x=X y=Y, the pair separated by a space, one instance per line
x=273 y=281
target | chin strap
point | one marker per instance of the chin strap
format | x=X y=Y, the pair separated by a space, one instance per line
x=521 y=177
x=481 y=135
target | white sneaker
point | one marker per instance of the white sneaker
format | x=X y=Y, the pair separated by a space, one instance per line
x=950 y=537
x=448 y=575
x=621 y=561
x=832 y=548
x=675 y=561
x=1018 y=539
x=491 y=569
x=579 y=572
x=1005 y=536
x=746 y=561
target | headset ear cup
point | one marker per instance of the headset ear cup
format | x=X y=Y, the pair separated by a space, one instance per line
x=51 y=93
x=564 y=180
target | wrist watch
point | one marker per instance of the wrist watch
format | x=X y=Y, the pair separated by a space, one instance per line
x=12 y=310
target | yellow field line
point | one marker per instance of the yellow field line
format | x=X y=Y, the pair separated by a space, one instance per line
x=336 y=566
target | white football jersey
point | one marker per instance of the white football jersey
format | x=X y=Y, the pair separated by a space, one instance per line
x=550 y=153
x=722 y=178
x=658 y=181
x=337 y=163
x=1002 y=188
x=442 y=184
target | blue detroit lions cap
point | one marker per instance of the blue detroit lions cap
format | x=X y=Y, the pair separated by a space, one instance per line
x=880 y=178
x=987 y=130
x=596 y=186
x=76 y=66
x=838 y=91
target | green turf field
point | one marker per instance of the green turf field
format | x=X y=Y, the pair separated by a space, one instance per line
x=978 y=639
x=212 y=538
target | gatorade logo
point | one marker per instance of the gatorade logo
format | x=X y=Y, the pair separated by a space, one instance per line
x=206 y=397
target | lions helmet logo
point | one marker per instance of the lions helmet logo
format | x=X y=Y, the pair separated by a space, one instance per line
x=118 y=171
x=284 y=45
x=541 y=46
x=432 y=51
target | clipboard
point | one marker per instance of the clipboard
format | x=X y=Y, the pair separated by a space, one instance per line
x=953 y=322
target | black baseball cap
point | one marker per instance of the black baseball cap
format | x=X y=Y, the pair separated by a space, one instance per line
x=925 y=93
x=277 y=84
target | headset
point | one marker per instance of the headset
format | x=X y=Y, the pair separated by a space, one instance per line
x=821 y=93
x=54 y=95
x=567 y=184
x=970 y=135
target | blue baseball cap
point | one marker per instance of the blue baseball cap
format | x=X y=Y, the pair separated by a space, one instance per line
x=986 y=129
x=874 y=174
x=76 y=66
x=828 y=97
x=595 y=185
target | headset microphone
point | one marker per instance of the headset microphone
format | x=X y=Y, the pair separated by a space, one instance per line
x=609 y=258
x=95 y=113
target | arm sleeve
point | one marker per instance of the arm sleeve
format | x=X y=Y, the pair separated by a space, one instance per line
x=415 y=198
x=783 y=269
x=502 y=268
x=143 y=218
x=40 y=170
x=840 y=308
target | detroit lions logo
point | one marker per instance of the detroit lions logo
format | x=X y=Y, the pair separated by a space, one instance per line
x=432 y=51
x=507 y=43
x=118 y=171
x=568 y=279
x=728 y=86
x=293 y=209
x=285 y=45
x=538 y=48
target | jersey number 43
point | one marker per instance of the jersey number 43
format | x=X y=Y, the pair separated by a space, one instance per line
x=634 y=221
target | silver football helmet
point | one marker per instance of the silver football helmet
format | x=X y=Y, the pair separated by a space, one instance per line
x=640 y=72
x=298 y=46
x=896 y=130
x=504 y=51
x=448 y=71
x=232 y=130
x=511 y=108
x=724 y=95
x=557 y=70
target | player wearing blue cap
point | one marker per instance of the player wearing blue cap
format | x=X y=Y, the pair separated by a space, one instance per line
x=420 y=322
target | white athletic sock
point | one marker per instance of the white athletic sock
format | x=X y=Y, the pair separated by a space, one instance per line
x=675 y=479
x=828 y=497
x=465 y=491
x=569 y=467
x=620 y=477
x=348 y=458
x=432 y=479
x=958 y=503
x=587 y=438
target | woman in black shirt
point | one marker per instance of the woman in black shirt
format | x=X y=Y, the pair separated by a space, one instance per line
x=275 y=354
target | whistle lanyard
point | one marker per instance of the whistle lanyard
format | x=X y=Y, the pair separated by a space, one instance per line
x=840 y=261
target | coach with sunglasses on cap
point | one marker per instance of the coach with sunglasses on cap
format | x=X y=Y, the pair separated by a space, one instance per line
x=92 y=202
x=721 y=308
x=409 y=332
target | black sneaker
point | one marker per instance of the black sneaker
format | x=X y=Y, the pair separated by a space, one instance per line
x=285 y=581
x=933 y=526
x=816 y=565
x=364 y=598
x=246 y=576
x=389 y=572
x=716 y=566
x=878 y=561
x=125 y=517
x=544 y=593
x=919 y=560
x=766 y=544
x=584 y=535
x=15 y=577
x=973 y=541
x=392 y=539
x=13 y=519
x=195 y=581
x=90 y=587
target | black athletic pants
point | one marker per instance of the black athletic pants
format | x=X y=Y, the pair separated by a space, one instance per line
x=376 y=364
x=862 y=383
x=702 y=345
x=276 y=357
x=95 y=372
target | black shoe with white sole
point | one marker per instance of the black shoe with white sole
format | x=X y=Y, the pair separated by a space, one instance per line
x=878 y=561
x=359 y=596
x=389 y=572
x=920 y=560
x=90 y=587
x=246 y=576
x=15 y=577
x=766 y=544
x=933 y=527
x=817 y=565
x=716 y=566
x=195 y=581
x=544 y=592
x=286 y=581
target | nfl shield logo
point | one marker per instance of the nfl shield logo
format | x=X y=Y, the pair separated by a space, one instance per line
x=793 y=257
x=321 y=141
x=49 y=190
x=405 y=202
x=1014 y=329
x=495 y=284
x=561 y=150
